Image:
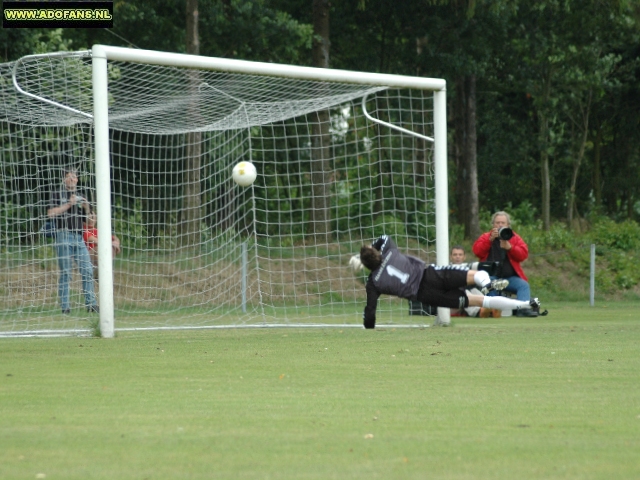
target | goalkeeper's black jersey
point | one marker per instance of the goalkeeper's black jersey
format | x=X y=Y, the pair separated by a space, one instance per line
x=398 y=274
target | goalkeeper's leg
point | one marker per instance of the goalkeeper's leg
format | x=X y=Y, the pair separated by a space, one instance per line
x=502 y=303
x=481 y=279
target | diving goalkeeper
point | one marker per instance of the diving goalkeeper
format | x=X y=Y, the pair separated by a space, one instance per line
x=405 y=276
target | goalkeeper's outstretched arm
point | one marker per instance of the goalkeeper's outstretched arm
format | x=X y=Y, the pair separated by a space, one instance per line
x=372 y=304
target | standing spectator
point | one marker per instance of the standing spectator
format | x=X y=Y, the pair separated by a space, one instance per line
x=501 y=244
x=69 y=210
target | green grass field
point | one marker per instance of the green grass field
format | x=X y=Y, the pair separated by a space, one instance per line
x=556 y=397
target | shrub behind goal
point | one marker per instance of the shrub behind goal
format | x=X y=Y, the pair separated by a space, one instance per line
x=342 y=157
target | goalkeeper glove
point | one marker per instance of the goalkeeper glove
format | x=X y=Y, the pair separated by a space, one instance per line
x=356 y=264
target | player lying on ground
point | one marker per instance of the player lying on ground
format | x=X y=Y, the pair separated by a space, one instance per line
x=393 y=273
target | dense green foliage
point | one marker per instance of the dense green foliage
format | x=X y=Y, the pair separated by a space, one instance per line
x=557 y=79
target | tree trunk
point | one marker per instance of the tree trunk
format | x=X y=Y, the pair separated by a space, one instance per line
x=470 y=159
x=193 y=37
x=597 y=175
x=321 y=42
x=321 y=150
x=544 y=173
x=459 y=132
x=467 y=156
x=191 y=215
x=577 y=162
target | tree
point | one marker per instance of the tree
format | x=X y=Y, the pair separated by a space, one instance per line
x=321 y=148
x=462 y=38
x=191 y=213
x=565 y=55
x=556 y=83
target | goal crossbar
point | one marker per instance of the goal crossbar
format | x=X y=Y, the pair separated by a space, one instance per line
x=262 y=68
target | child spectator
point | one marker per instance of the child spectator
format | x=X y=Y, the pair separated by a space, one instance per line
x=90 y=236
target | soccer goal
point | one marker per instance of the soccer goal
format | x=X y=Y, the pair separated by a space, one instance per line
x=342 y=157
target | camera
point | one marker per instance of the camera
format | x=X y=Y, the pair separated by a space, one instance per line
x=505 y=233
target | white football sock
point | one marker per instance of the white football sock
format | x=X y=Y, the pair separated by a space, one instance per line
x=504 y=303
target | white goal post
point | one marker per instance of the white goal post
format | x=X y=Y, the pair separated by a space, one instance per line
x=385 y=131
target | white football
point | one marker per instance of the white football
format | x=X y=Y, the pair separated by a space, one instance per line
x=244 y=174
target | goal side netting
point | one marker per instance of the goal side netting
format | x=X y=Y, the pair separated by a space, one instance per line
x=339 y=161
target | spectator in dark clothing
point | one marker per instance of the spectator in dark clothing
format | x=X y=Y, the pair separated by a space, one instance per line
x=70 y=210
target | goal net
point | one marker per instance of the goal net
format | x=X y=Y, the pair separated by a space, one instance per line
x=340 y=162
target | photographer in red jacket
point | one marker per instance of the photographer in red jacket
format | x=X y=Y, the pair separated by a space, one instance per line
x=502 y=244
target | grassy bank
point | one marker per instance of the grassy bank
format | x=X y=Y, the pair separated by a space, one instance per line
x=559 y=263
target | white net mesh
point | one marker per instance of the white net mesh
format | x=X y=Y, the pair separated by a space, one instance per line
x=197 y=250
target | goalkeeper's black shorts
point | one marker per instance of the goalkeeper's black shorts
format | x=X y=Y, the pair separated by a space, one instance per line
x=443 y=287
